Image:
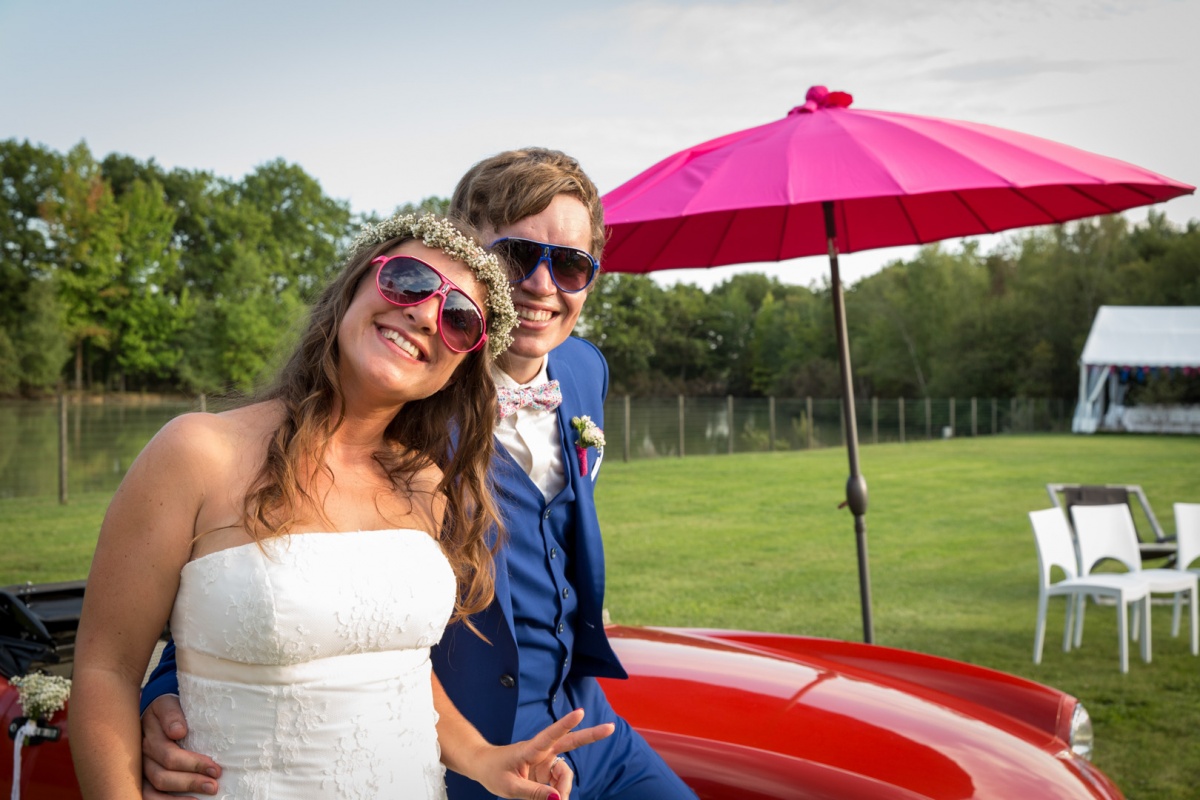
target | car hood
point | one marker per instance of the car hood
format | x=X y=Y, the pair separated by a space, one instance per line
x=863 y=720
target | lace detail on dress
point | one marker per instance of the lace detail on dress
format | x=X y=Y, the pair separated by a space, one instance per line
x=353 y=772
x=366 y=617
x=204 y=710
x=304 y=665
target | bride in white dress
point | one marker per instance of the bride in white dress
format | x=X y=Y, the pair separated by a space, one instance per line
x=309 y=548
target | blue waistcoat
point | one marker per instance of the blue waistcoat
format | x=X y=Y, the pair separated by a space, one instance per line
x=506 y=696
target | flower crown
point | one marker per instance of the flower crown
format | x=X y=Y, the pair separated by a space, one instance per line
x=441 y=233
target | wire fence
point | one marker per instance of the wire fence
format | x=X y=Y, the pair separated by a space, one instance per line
x=87 y=444
x=653 y=427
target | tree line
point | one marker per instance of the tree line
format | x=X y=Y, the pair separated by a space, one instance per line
x=117 y=274
x=948 y=322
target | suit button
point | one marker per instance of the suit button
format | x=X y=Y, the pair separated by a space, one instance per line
x=566 y=592
x=546 y=515
x=507 y=681
x=561 y=627
x=554 y=552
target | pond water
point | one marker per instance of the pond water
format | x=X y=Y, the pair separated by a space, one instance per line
x=103 y=438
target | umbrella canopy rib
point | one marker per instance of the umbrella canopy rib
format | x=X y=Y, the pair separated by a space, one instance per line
x=1149 y=198
x=971 y=210
x=723 y=237
x=912 y=224
x=668 y=239
x=783 y=230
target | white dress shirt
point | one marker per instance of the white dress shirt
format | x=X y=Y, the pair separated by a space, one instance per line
x=532 y=437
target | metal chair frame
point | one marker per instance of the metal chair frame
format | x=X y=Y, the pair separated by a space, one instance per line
x=1163 y=546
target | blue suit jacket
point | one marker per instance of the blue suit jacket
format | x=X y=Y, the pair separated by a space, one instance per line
x=479 y=675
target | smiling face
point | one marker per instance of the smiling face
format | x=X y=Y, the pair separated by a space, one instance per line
x=392 y=354
x=547 y=315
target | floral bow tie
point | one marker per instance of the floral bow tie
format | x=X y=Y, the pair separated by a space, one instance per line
x=545 y=396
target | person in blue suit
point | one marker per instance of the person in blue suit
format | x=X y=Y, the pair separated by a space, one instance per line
x=545 y=642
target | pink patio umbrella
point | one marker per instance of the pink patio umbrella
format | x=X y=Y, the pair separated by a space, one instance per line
x=828 y=179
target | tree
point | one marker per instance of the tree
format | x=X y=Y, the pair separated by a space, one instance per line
x=623 y=318
x=792 y=348
x=733 y=307
x=41 y=346
x=84 y=225
x=31 y=319
x=1167 y=270
x=305 y=230
x=683 y=361
x=267 y=244
x=1062 y=275
x=149 y=322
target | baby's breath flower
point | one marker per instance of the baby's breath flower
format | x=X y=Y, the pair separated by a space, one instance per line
x=41 y=695
x=440 y=233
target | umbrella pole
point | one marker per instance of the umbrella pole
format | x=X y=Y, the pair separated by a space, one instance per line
x=856 y=484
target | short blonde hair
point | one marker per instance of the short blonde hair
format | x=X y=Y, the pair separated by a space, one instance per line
x=515 y=184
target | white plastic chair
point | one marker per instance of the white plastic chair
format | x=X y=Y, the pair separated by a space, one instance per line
x=1187 y=533
x=1108 y=532
x=1055 y=549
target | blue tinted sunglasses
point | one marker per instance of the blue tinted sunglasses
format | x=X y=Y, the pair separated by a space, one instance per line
x=571 y=269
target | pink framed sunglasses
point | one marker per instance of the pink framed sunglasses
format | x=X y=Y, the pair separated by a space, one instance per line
x=408 y=281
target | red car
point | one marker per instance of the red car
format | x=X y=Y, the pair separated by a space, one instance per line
x=753 y=716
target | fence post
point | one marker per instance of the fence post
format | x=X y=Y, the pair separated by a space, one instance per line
x=627 y=422
x=900 y=402
x=928 y=417
x=874 y=420
x=952 y=427
x=771 y=423
x=1012 y=414
x=681 y=426
x=993 y=416
x=811 y=423
x=62 y=448
x=729 y=413
x=203 y=402
x=974 y=417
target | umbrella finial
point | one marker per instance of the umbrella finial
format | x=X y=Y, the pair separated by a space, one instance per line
x=820 y=97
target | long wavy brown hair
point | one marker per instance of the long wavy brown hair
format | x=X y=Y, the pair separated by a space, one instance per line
x=451 y=429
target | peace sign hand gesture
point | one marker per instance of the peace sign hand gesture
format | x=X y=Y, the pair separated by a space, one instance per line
x=533 y=769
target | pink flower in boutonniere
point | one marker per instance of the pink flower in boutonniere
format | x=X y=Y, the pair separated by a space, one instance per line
x=590 y=435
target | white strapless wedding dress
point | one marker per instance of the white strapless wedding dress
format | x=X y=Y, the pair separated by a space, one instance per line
x=304 y=665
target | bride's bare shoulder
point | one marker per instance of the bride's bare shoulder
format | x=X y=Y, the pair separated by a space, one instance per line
x=210 y=439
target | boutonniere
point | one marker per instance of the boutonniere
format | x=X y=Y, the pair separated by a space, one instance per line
x=589 y=435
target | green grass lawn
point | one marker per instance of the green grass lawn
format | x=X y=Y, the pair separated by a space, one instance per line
x=756 y=541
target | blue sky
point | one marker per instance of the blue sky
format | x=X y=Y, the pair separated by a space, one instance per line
x=387 y=102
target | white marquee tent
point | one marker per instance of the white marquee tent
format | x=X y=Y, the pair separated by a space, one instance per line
x=1130 y=339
